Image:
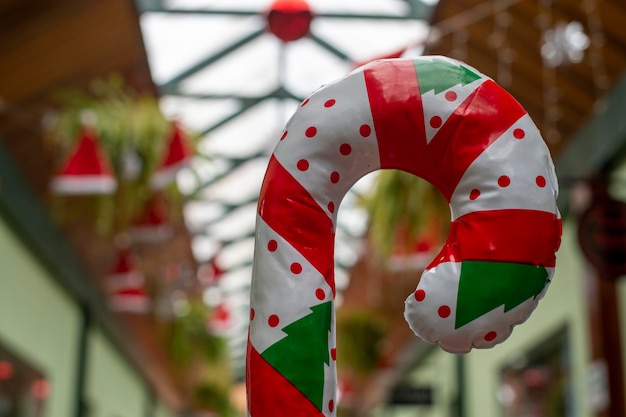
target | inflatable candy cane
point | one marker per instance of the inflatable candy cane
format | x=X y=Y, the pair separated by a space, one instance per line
x=438 y=119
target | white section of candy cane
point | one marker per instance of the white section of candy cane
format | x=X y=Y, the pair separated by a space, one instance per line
x=520 y=155
x=340 y=114
x=286 y=295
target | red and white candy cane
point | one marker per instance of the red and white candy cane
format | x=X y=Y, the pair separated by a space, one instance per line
x=447 y=123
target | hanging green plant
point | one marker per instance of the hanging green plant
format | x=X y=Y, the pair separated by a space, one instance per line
x=189 y=337
x=359 y=338
x=133 y=134
x=401 y=207
x=204 y=355
x=215 y=396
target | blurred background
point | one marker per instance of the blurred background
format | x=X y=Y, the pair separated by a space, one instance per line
x=134 y=136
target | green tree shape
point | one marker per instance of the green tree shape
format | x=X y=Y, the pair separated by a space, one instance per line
x=300 y=357
x=440 y=75
x=484 y=286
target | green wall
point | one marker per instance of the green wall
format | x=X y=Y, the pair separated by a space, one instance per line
x=38 y=321
x=438 y=371
x=113 y=389
x=162 y=411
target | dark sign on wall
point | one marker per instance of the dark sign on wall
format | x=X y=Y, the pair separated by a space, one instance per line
x=410 y=395
x=602 y=236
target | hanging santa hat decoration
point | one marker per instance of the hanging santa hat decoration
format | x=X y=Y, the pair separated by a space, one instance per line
x=86 y=170
x=178 y=153
x=131 y=299
x=126 y=285
x=125 y=271
x=220 y=319
x=152 y=226
x=426 y=244
x=210 y=273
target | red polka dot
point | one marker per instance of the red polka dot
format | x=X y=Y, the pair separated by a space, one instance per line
x=420 y=295
x=519 y=133
x=303 y=165
x=320 y=294
x=304 y=102
x=444 y=311
x=272 y=245
x=345 y=149
x=284 y=135
x=474 y=194
x=331 y=207
x=251 y=314
x=296 y=268
x=435 y=122
x=330 y=103
x=273 y=320
x=331 y=405
x=310 y=131
x=504 y=181
x=451 y=96
x=490 y=336
x=365 y=130
x=334 y=177
x=333 y=354
x=541 y=181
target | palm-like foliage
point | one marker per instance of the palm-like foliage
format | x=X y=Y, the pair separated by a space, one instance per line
x=401 y=207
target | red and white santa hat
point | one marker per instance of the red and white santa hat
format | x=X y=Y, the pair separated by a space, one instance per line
x=210 y=273
x=220 y=319
x=126 y=285
x=86 y=169
x=124 y=272
x=152 y=226
x=178 y=153
x=130 y=300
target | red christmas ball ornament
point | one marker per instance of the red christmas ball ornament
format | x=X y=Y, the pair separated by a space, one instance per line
x=289 y=20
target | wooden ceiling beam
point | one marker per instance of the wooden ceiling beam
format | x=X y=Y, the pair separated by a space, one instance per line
x=576 y=88
x=612 y=56
x=71 y=40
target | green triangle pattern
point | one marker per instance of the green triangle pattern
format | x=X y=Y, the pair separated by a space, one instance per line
x=484 y=286
x=440 y=75
x=300 y=357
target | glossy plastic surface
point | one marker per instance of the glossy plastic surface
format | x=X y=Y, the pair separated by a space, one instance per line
x=447 y=123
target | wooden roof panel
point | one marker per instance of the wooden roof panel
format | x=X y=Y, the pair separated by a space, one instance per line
x=505 y=38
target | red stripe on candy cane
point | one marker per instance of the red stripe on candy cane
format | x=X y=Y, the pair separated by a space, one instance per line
x=396 y=105
x=481 y=119
x=520 y=236
x=290 y=210
x=271 y=394
x=478 y=122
